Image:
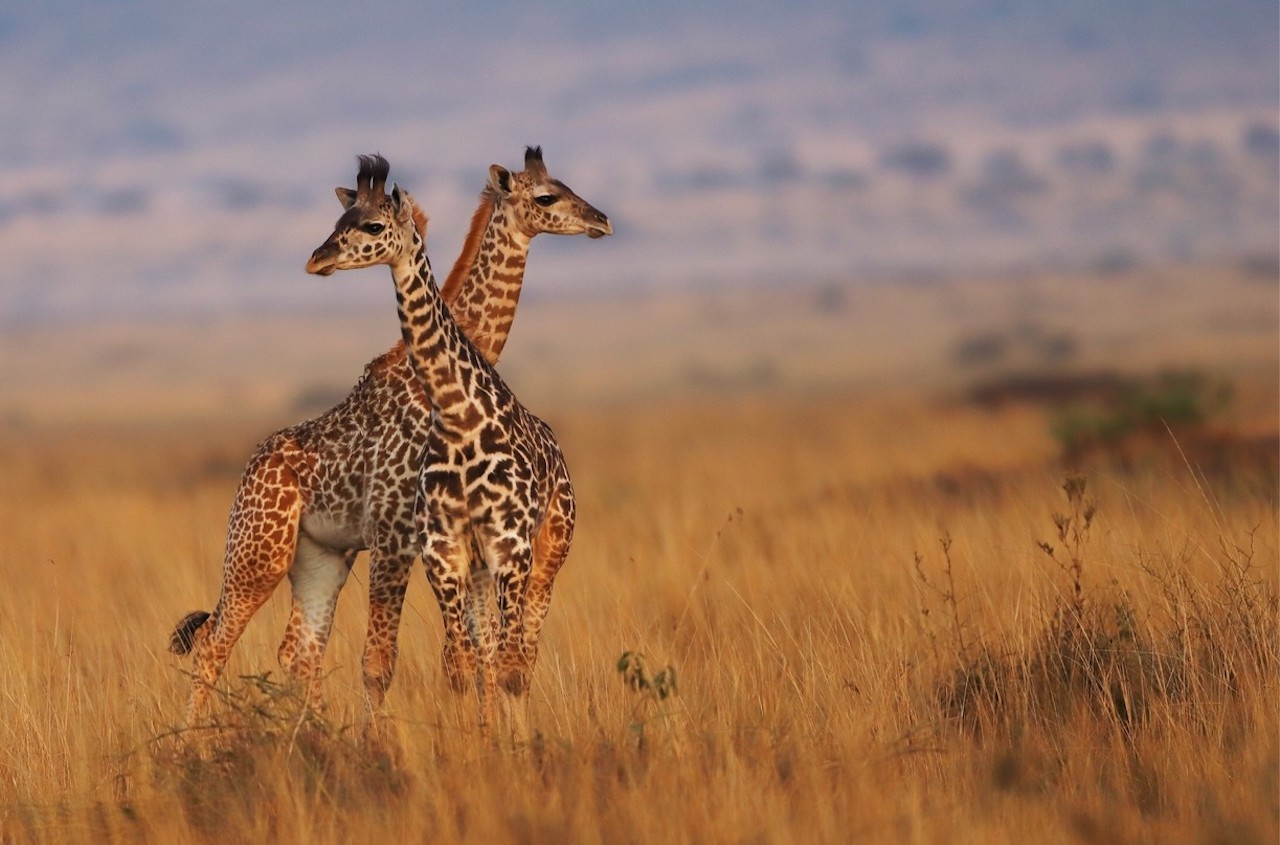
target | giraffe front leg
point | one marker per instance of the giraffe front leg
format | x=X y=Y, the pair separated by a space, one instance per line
x=389 y=571
x=445 y=547
x=511 y=556
x=482 y=618
x=482 y=628
x=461 y=656
x=550 y=549
x=464 y=642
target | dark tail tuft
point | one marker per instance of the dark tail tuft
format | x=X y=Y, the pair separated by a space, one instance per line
x=184 y=636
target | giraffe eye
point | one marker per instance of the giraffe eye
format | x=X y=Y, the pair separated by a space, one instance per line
x=546 y=199
x=373 y=228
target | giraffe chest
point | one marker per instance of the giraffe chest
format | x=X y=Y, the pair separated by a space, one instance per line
x=497 y=477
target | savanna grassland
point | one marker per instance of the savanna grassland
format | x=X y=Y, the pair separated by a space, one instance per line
x=869 y=601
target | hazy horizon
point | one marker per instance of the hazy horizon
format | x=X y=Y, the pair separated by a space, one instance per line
x=164 y=160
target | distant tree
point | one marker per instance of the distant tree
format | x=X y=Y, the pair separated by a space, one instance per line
x=845 y=178
x=918 y=159
x=1262 y=266
x=831 y=298
x=122 y=202
x=780 y=166
x=709 y=177
x=1114 y=261
x=1144 y=96
x=1161 y=147
x=1262 y=140
x=1005 y=171
x=1087 y=158
x=1003 y=189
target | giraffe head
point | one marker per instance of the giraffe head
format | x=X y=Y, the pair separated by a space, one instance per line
x=538 y=203
x=376 y=228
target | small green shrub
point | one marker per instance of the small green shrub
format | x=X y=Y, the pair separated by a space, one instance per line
x=1178 y=401
x=1096 y=657
x=650 y=689
x=266 y=738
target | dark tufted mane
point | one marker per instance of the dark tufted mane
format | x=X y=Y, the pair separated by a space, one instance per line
x=371 y=179
x=533 y=162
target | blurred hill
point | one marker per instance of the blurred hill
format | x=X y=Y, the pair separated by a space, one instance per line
x=166 y=160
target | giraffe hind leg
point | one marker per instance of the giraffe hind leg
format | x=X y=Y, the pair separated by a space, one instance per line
x=316 y=576
x=290 y=641
x=261 y=540
x=215 y=639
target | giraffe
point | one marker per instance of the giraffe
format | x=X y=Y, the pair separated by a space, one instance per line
x=314 y=494
x=493 y=478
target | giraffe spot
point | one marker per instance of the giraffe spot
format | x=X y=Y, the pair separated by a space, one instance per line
x=492 y=439
x=477 y=471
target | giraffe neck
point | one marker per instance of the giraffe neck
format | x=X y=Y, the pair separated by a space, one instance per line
x=454 y=375
x=483 y=289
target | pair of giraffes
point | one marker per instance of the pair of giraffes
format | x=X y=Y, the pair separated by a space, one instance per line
x=431 y=453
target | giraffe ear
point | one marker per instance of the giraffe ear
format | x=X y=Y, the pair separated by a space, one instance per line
x=500 y=179
x=346 y=196
x=401 y=203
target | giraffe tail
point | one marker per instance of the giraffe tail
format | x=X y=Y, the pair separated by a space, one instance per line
x=184 y=636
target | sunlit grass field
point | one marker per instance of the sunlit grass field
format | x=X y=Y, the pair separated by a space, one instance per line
x=864 y=614
x=839 y=674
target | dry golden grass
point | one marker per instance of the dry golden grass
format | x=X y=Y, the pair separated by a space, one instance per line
x=840 y=675
x=783 y=500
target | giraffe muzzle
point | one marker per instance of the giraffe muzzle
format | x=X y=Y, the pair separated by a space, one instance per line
x=323 y=261
x=599 y=228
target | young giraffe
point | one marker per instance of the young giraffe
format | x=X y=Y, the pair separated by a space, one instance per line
x=315 y=494
x=493 y=477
